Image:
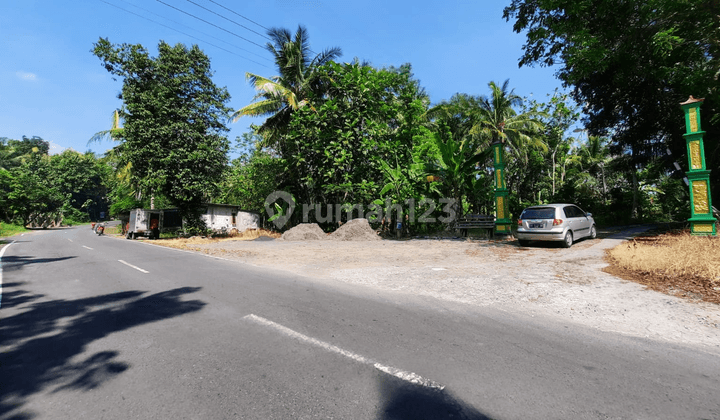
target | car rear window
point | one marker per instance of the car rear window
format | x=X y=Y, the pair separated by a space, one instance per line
x=539 y=213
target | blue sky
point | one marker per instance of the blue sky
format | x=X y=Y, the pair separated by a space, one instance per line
x=53 y=87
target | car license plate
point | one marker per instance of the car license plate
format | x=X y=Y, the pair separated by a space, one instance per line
x=535 y=225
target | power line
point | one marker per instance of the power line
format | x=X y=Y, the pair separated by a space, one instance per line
x=186 y=34
x=209 y=23
x=211 y=1
x=229 y=20
x=211 y=36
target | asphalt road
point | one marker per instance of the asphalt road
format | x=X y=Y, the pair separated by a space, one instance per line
x=101 y=328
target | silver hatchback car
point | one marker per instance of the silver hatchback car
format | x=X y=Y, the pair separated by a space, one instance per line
x=564 y=223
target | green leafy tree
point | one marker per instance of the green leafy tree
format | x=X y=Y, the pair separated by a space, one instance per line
x=297 y=83
x=25 y=193
x=334 y=153
x=8 y=155
x=631 y=64
x=31 y=199
x=174 y=119
x=79 y=180
x=28 y=146
x=557 y=115
x=252 y=176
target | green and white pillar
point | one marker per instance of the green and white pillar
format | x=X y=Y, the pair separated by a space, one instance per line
x=701 y=220
x=503 y=224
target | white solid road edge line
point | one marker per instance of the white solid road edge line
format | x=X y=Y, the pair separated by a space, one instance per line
x=405 y=376
x=2 y=252
x=133 y=266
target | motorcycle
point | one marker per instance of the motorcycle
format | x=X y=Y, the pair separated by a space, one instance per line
x=100 y=229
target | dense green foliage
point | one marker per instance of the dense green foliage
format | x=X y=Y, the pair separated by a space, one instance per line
x=335 y=151
x=174 y=122
x=631 y=64
x=251 y=177
x=358 y=135
x=37 y=189
x=350 y=134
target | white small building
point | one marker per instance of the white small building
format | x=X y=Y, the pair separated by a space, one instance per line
x=219 y=217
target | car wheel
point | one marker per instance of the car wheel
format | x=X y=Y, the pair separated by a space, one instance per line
x=593 y=232
x=524 y=242
x=567 y=243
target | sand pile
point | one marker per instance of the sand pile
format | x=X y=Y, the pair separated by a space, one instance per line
x=304 y=232
x=355 y=230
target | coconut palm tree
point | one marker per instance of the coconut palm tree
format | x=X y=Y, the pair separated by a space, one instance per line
x=499 y=122
x=115 y=132
x=503 y=127
x=123 y=170
x=596 y=155
x=279 y=96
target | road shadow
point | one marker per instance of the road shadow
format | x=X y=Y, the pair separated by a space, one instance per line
x=17 y=262
x=39 y=345
x=11 y=295
x=402 y=400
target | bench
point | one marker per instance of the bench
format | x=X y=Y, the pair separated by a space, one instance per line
x=475 y=221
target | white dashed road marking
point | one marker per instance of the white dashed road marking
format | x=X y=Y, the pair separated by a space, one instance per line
x=87 y=247
x=405 y=376
x=133 y=266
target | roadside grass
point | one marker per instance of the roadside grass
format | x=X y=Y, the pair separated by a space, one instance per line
x=113 y=230
x=7 y=230
x=247 y=235
x=675 y=263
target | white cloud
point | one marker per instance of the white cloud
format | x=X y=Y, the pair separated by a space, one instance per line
x=56 y=148
x=22 y=75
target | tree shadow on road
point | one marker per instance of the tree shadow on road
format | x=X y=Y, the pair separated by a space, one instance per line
x=40 y=340
x=405 y=401
x=11 y=296
x=17 y=262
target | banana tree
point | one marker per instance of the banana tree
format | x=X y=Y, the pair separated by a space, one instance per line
x=458 y=168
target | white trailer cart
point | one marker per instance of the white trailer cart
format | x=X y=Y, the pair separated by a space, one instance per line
x=151 y=223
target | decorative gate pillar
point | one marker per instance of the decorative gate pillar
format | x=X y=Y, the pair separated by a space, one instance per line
x=701 y=220
x=503 y=224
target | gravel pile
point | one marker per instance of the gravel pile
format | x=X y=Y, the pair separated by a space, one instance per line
x=304 y=232
x=355 y=230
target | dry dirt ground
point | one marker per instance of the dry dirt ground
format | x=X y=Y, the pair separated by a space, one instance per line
x=568 y=285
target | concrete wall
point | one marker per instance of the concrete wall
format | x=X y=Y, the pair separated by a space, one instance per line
x=220 y=217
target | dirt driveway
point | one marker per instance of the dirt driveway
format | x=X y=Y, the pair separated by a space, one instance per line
x=565 y=284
